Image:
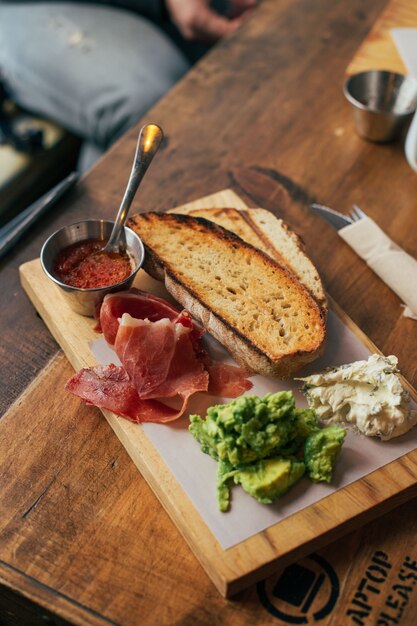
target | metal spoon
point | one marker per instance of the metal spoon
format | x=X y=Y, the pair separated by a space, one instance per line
x=150 y=137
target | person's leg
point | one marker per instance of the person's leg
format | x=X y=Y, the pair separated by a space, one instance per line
x=95 y=70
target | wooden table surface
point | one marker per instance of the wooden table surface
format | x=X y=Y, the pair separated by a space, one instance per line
x=82 y=538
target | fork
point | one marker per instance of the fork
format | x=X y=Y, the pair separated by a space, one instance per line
x=356 y=214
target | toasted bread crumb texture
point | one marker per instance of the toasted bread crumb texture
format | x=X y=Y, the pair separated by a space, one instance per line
x=249 y=291
x=292 y=248
x=265 y=231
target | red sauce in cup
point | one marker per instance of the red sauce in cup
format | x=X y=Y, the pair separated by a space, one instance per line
x=83 y=265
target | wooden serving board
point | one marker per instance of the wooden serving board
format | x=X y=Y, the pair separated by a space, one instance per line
x=263 y=553
x=378 y=50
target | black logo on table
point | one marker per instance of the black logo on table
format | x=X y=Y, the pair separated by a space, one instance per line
x=303 y=594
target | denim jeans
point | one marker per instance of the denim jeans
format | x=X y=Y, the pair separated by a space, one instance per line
x=93 y=69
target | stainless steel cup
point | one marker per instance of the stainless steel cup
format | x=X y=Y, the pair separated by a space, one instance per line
x=85 y=301
x=382 y=103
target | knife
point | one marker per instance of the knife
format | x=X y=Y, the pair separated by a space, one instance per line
x=11 y=232
x=390 y=262
x=332 y=217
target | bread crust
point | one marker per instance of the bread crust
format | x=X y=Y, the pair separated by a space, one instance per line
x=163 y=262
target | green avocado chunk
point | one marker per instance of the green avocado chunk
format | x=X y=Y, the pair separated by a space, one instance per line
x=260 y=442
x=269 y=479
x=321 y=450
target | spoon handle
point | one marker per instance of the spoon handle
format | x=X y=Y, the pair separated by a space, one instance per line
x=149 y=140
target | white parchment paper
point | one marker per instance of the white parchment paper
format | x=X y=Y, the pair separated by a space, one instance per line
x=196 y=472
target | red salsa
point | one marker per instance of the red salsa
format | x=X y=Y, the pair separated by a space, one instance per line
x=83 y=265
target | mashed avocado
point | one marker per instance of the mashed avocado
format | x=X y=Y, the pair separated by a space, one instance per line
x=321 y=450
x=265 y=445
x=248 y=428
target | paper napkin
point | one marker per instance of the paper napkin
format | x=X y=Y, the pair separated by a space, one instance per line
x=392 y=264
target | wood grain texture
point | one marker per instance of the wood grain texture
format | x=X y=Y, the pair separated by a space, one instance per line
x=236 y=568
x=262 y=113
x=378 y=51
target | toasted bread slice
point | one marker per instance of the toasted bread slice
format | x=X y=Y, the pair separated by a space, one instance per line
x=265 y=231
x=255 y=307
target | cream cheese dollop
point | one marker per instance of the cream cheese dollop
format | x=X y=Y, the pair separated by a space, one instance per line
x=367 y=394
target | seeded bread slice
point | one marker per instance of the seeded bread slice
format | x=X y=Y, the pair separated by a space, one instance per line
x=265 y=231
x=255 y=307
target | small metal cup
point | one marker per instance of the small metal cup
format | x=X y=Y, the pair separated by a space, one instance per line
x=382 y=103
x=85 y=301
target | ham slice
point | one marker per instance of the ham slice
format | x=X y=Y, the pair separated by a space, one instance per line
x=109 y=387
x=227 y=380
x=140 y=305
x=159 y=358
x=162 y=356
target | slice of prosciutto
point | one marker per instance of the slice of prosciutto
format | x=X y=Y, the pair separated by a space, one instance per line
x=159 y=358
x=140 y=305
x=227 y=380
x=109 y=387
x=162 y=356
